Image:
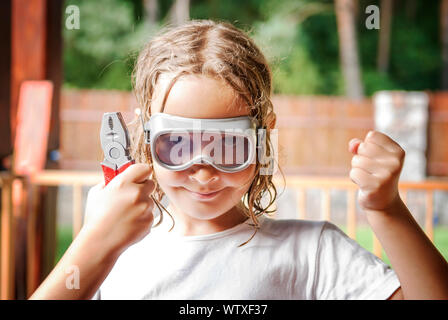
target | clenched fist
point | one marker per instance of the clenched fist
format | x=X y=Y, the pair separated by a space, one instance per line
x=376 y=167
x=120 y=213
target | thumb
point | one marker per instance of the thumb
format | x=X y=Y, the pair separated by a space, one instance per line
x=136 y=173
x=353 y=145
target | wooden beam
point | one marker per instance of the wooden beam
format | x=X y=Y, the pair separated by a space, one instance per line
x=54 y=67
x=7 y=240
x=28 y=47
x=5 y=86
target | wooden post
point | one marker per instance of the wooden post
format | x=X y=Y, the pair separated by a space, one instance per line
x=382 y=61
x=351 y=213
x=404 y=195
x=377 y=248
x=348 y=48
x=7 y=240
x=28 y=61
x=5 y=79
x=33 y=241
x=33 y=51
x=429 y=217
x=326 y=214
x=301 y=203
x=444 y=42
x=77 y=209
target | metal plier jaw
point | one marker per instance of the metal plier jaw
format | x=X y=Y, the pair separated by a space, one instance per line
x=115 y=143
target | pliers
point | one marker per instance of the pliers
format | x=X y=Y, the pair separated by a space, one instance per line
x=115 y=143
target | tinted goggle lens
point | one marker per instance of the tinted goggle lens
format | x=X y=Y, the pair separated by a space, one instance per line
x=226 y=150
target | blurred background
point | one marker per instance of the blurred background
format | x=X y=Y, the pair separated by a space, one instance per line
x=340 y=68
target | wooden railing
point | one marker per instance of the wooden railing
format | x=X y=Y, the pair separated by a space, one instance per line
x=297 y=183
x=300 y=184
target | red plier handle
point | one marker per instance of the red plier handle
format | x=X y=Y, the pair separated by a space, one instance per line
x=115 y=143
x=110 y=173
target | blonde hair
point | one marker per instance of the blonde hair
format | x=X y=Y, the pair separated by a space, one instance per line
x=218 y=50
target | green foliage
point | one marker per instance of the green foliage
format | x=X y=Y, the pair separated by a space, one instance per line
x=376 y=81
x=101 y=53
x=297 y=74
x=284 y=43
x=299 y=38
x=415 y=56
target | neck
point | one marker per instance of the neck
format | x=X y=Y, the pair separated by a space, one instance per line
x=187 y=225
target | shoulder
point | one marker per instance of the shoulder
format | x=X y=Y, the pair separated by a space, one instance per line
x=294 y=225
x=305 y=231
x=296 y=229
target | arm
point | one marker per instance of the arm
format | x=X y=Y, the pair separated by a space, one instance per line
x=116 y=217
x=376 y=167
x=86 y=258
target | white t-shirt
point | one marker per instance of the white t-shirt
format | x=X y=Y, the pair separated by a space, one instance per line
x=287 y=259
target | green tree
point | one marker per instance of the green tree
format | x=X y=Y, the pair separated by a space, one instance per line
x=101 y=53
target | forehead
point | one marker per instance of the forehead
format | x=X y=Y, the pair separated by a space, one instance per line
x=198 y=96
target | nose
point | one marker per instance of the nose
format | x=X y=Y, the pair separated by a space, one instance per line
x=203 y=173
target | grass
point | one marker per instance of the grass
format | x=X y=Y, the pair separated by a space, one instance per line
x=363 y=237
x=64 y=238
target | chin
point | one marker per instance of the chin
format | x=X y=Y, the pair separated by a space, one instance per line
x=204 y=210
x=197 y=209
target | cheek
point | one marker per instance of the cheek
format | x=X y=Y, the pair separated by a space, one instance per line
x=167 y=178
x=240 y=180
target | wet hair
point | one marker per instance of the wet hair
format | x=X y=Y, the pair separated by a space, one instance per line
x=221 y=51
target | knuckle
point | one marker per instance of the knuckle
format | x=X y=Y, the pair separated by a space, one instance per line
x=150 y=205
x=372 y=134
x=354 y=175
x=369 y=196
x=151 y=185
x=400 y=153
x=146 y=207
x=140 y=211
x=387 y=176
x=396 y=165
x=134 y=196
x=361 y=147
x=355 y=160
x=145 y=189
x=92 y=191
x=375 y=184
x=118 y=183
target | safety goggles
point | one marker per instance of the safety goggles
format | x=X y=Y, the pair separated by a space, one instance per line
x=176 y=143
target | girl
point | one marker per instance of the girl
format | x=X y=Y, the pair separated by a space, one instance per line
x=221 y=245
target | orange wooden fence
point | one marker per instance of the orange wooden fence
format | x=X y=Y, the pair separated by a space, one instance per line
x=320 y=126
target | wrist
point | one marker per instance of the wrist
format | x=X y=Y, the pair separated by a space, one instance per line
x=99 y=246
x=395 y=209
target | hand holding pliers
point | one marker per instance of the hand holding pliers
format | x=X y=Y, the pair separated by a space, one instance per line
x=115 y=143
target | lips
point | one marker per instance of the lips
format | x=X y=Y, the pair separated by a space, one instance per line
x=204 y=195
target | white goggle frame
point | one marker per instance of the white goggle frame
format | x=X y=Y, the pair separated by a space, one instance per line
x=162 y=123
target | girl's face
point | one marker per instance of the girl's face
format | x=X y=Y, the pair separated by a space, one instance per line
x=202 y=193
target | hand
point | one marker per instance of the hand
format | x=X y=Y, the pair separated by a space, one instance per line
x=376 y=167
x=120 y=213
